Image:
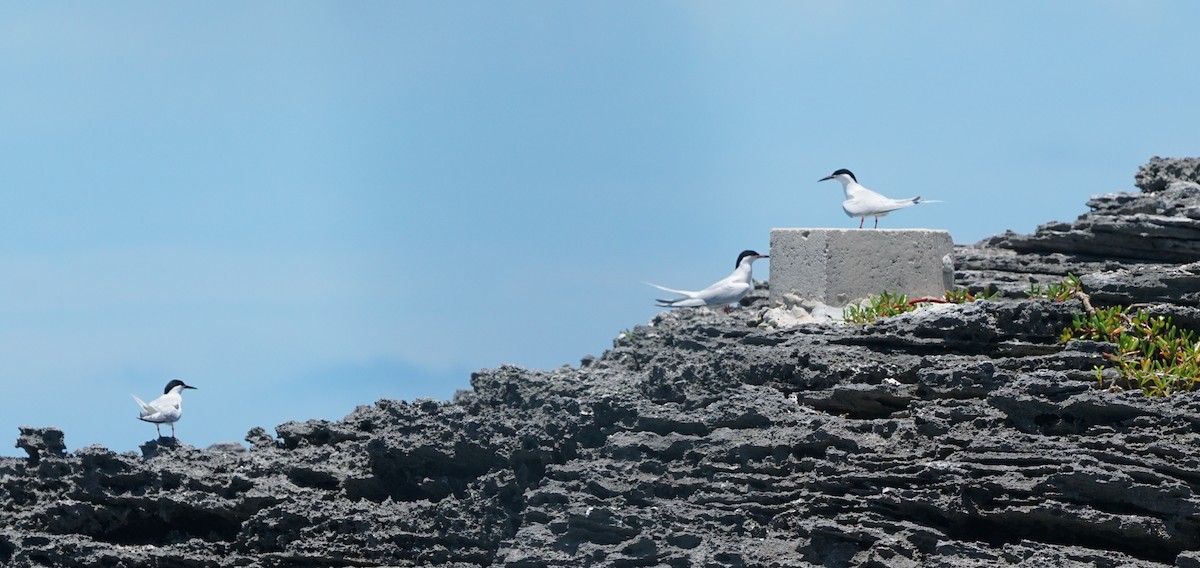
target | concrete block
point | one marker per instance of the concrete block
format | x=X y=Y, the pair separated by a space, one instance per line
x=839 y=266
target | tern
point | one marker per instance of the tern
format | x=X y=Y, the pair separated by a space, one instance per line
x=862 y=203
x=726 y=292
x=164 y=409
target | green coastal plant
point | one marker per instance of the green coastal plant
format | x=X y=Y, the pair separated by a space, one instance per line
x=1152 y=353
x=1058 y=291
x=962 y=295
x=887 y=304
x=884 y=305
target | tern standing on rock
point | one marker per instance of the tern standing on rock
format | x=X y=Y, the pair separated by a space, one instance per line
x=862 y=203
x=164 y=409
x=727 y=291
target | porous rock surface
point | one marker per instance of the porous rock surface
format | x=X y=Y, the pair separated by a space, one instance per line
x=956 y=435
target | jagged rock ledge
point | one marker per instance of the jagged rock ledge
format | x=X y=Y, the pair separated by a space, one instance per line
x=951 y=436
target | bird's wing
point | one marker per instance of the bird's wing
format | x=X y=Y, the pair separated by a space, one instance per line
x=861 y=207
x=165 y=408
x=902 y=203
x=142 y=404
x=726 y=291
x=681 y=303
x=672 y=290
x=691 y=299
x=149 y=412
x=856 y=192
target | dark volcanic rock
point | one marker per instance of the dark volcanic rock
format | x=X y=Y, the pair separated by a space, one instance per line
x=1129 y=248
x=1160 y=225
x=1159 y=173
x=39 y=441
x=956 y=435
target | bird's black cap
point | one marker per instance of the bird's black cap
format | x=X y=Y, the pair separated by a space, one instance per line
x=746 y=253
x=174 y=383
x=841 y=171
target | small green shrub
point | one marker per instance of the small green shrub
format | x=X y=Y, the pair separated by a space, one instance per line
x=1059 y=291
x=884 y=305
x=962 y=295
x=888 y=304
x=1152 y=353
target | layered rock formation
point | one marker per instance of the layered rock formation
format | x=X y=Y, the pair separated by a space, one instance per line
x=1130 y=248
x=957 y=435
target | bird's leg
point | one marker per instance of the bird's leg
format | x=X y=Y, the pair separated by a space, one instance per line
x=156 y=430
x=861 y=221
x=877 y=222
x=173 y=431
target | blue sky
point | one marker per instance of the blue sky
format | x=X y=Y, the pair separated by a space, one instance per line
x=299 y=207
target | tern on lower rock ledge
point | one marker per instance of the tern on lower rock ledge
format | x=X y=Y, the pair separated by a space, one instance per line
x=725 y=292
x=165 y=409
x=862 y=203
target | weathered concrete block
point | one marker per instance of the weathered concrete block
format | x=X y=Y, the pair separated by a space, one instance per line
x=838 y=266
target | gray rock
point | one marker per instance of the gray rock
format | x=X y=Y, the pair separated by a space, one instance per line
x=1158 y=173
x=38 y=442
x=1159 y=225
